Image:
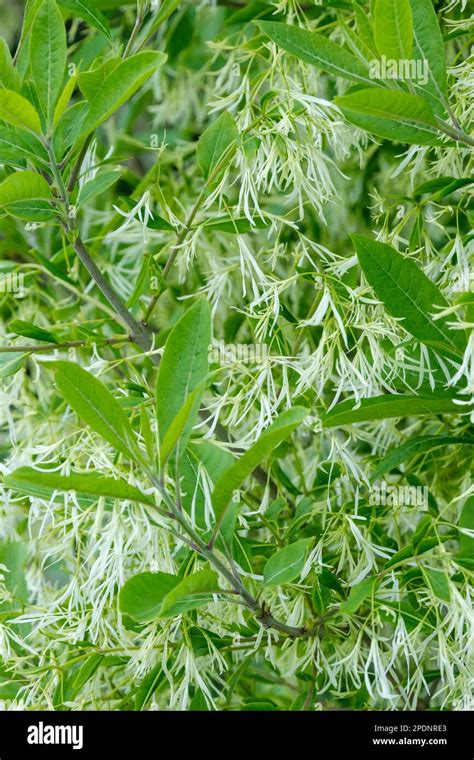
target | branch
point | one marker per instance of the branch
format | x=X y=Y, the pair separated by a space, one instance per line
x=67 y=344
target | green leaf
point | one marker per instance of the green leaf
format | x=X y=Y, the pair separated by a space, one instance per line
x=439 y=583
x=236 y=225
x=101 y=182
x=466 y=543
x=92 y=80
x=157 y=223
x=386 y=407
x=29 y=330
x=286 y=564
x=48 y=55
x=425 y=545
x=150 y=596
x=358 y=594
x=71 y=124
x=167 y=7
x=18 y=146
x=193 y=591
x=317 y=50
x=419 y=445
x=92 y=485
x=95 y=405
x=9 y=77
x=17 y=110
x=364 y=30
x=11 y=363
x=13 y=555
x=85 y=9
x=142 y=595
x=64 y=98
x=217 y=147
x=184 y=366
x=408 y=295
x=31 y=8
x=429 y=48
x=149 y=685
x=87 y=670
x=119 y=86
x=25 y=195
x=183 y=422
x=393 y=28
x=391 y=114
x=232 y=479
x=200 y=455
x=442 y=186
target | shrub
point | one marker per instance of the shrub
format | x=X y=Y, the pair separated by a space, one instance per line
x=237 y=366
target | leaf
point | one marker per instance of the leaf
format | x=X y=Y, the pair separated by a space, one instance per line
x=9 y=77
x=13 y=555
x=95 y=405
x=192 y=592
x=438 y=582
x=442 y=186
x=410 y=551
x=150 y=596
x=466 y=543
x=386 y=407
x=29 y=330
x=408 y=295
x=71 y=124
x=102 y=182
x=364 y=30
x=393 y=28
x=157 y=223
x=150 y=683
x=236 y=225
x=119 y=86
x=87 y=670
x=142 y=595
x=167 y=7
x=286 y=564
x=184 y=366
x=90 y=81
x=18 y=145
x=48 y=54
x=22 y=63
x=21 y=185
x=216 y=147
x=25 y=195
x=391 y=114
x=429 y=48
x=317 y=50
x=42 y=483
x=182 y=422
x=200 y=455
x=419 y=445
x=11 y=363
x=17 y=110
x=64 y=99
x=85 y=9
x=358 y=594
x=232 y=479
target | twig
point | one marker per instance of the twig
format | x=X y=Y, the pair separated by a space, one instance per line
x=68 y=344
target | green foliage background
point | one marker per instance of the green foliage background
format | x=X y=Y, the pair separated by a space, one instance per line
x=237 y=355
